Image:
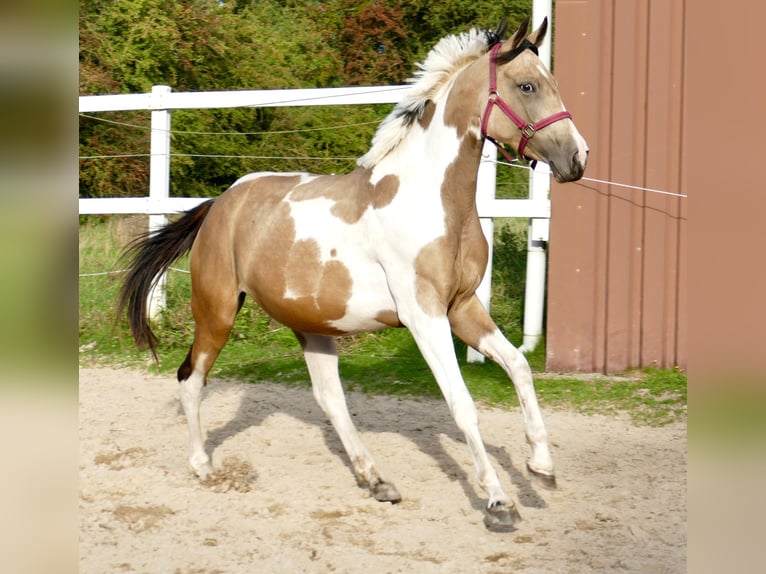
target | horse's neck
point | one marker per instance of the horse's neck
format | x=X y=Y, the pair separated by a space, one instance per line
x=437 y=163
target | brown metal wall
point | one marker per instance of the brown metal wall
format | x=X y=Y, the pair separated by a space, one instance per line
x=617 y=257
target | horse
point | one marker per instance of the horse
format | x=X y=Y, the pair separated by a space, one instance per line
x=396 y=242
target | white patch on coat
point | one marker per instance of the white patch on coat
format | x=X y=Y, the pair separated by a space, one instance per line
x=429 y=81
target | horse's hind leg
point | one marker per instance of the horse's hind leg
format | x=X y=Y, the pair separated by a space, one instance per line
x=214 y=314
x=322 y=359
x=471 y=322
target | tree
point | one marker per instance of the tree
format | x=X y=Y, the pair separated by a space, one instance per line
x=127 y=46
x=373 y=43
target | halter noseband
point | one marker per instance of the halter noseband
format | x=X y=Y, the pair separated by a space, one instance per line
x=528 y=129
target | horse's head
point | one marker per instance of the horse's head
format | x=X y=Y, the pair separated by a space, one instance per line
x=534 y=120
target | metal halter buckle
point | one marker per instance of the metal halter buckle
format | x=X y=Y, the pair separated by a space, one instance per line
x=528 y=130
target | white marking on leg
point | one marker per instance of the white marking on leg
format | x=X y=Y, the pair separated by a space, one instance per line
x=322 y=361
x=499 y=349
x=191 y=397
x=432 y=335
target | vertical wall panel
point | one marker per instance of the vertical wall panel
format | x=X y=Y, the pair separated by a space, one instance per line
x=577 y=282
x=627 y=163
x=663 y=143
x=616 y=255
x=680 y=344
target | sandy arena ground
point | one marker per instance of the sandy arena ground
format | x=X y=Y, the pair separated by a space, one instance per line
x=286 y=500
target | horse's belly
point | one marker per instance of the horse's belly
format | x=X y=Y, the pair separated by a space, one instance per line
x=370 y=306
x=332 y=301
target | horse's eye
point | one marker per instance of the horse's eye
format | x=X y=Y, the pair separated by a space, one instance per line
x=527 y=88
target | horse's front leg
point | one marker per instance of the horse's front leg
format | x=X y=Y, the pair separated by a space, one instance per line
x=322 y=360
x=471 y=322
x=432 y=334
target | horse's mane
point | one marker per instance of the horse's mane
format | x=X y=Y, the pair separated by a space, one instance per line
x=450 y=55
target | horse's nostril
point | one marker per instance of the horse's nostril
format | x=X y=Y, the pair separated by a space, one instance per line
x=579 y=162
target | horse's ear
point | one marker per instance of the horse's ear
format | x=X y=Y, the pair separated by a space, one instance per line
x=520 y=34
x=538 y=35
x=498 y=35
x=501 y=30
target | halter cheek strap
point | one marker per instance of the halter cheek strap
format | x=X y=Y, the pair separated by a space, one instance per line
x=528 y=129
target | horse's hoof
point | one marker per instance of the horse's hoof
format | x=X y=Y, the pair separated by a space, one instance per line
x=203 y=470
x=501 y=517
x=385 y=492
x=546 y=481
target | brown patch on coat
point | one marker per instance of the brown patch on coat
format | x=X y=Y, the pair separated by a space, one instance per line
x=450 y=268
x=388 y=318
x=427 y=115
x=352 y=193
x=385 y=191
x=435 y=275
x=276 y=186
x=468 y=97
x=470 y=321
x=349 y=206
x=316 y=292
x=215 y=292
x=258 y=239
x=303 y=269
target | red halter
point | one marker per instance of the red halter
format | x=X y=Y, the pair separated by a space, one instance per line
x=494 y=99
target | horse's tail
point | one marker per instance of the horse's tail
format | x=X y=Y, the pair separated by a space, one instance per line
x=150 y=255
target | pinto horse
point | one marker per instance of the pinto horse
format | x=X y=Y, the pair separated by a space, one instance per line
x=396 y=242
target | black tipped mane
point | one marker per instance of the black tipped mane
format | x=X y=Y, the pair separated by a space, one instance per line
x=493 y=37
x=410 y=115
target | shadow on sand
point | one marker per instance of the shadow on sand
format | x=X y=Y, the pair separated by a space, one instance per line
x=406 y=419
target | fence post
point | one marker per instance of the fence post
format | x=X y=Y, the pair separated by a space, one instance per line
x=539 y=229
x=534 y=288
x=159 y=182
x=485 y=193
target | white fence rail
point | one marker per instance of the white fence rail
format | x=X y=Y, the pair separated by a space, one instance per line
x=161 y=101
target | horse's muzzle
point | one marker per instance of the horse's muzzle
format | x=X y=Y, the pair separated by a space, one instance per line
x=571 y=170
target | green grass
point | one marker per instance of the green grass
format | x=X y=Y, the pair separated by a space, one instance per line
x=385 y=362
x=651 y=396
